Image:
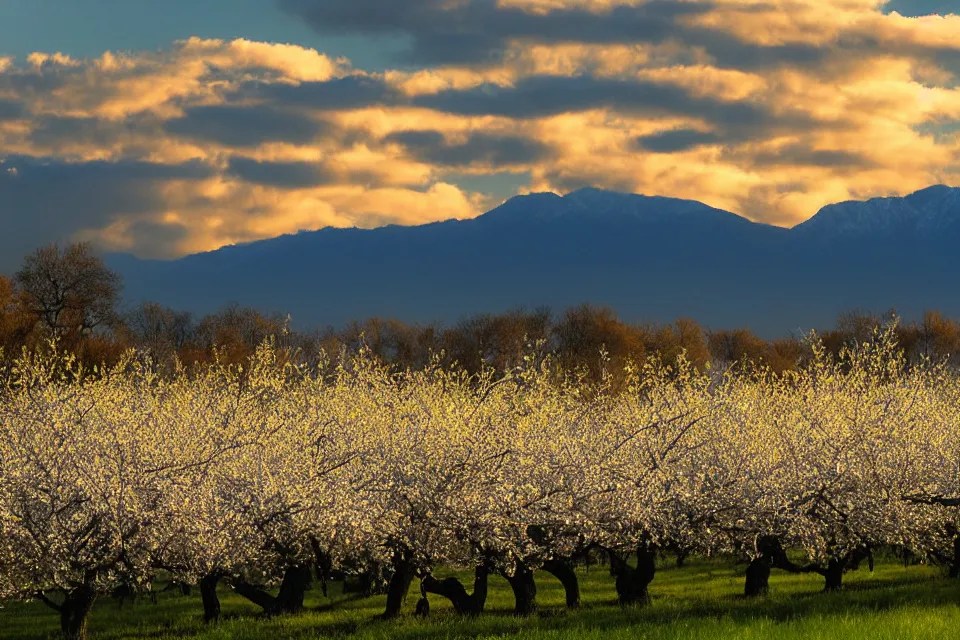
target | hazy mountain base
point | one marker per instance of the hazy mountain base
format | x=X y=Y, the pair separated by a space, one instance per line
x=701 y=601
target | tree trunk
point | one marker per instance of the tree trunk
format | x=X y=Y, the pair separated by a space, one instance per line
x=423 y=608
x=524 y=589
x=208 y=595
x=323 y=563
x=480 y=575
x=296 y=581
x=758 y=578
x=399 y=584
x=834 y=574
x=365 y=583
x=955 y=565
x=632 y=583
x=74 y=613
x=257 y=596
x=563 y=571
x=454 y=591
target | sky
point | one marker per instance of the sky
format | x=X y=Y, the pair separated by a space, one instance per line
x=168 y=128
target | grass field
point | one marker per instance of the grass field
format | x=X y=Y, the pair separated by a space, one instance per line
x=700 y=601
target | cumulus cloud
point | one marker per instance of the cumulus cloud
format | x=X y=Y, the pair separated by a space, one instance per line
x=767 y=108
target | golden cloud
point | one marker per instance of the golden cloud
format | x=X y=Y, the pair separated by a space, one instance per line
x=771 y=139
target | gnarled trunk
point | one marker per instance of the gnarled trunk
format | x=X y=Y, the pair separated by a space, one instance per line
x=296 y=580
x=632 y=583
x=256 y=595
x=453 y=590
x=403 y=572
x=423 y=608
x=758 y=578
x=563 y=571
x=833 y=574
x=770 y=554
x=524 y=589
x=74 y=613
x=480 y=577
x=208 y=594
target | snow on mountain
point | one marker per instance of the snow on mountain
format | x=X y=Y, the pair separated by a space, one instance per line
x=923 y=213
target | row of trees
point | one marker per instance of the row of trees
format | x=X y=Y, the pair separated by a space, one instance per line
x=69 y=294
x=278 y=472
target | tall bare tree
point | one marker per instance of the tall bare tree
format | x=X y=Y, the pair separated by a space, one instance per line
x=69 y=289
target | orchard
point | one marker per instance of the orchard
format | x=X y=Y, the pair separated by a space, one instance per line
x=267 y=476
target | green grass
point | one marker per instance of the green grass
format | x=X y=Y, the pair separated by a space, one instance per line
x=700 y=601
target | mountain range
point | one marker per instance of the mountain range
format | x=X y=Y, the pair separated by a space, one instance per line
x=651 y=258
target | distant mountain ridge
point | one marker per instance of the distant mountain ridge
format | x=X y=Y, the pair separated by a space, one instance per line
x=649 y=257
x=926 y=212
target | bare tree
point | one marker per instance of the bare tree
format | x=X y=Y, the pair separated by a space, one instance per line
x=161 y=330
x=70 y=290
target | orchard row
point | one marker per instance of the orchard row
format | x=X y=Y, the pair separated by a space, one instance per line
x=273 y=474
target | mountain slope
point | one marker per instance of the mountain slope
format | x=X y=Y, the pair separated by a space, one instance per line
x=651 y=258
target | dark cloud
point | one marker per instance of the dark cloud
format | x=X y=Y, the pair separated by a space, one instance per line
x=55 y=131
x=42 y=200
x=10 y=110
x=30 y=170
x=676 y=140
x=26 y=83
x=350 y=92
x=283 y=175
x=540 y=96
x=729 y=52
x=474 y=31
x=477 y=31
x=298 y=175
x=246 y=126
x=418 y=139
x=483 y=148
x=800 y=154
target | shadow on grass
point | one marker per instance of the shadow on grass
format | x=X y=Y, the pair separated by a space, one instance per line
x=871 y=596
x=687 y=596
x=609 y=619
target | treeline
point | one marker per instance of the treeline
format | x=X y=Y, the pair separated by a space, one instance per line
x=68 y=293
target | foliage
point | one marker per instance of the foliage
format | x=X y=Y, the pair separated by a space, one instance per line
x=251 y=472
